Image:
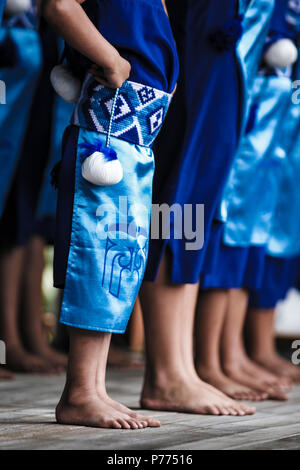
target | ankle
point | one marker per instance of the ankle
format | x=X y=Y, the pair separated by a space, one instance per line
x=77 y=394
x=230 y=367
x=208 y=368
x=260 y=355
x=161 y=379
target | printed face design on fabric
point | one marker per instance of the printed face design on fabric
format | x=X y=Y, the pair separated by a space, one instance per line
x=139 y=112
x=126 y=246
x=124 y=263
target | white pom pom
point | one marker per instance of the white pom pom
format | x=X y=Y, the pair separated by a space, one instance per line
x=281 y=54
x=65 y=83
x=97 y=170
x=15 y=7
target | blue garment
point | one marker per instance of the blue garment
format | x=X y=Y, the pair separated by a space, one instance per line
x=228 y=267
x=280 y=275
x=256 y=22
x=99 y=261
x=109 y=236
x=141 y=32
x=293 y=15
x=195 y=149
x=18 y=222
x=247 y=209
x=2 y=6
x=284 y=238
x=140 y=110
x=20 y=81
x=259 y=160
x=205 y=122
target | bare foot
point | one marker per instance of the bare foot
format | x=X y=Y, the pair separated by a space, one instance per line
x=152 y=422
x=190 y=396
x=233 y=389
x=279 y=366
x=6 y=374
x=85 y=408
x=19 y=360
x=261 y=373
x=241 y=375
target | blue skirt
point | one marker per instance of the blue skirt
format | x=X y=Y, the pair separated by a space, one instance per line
x=280 y=275
x=102 y=234
x=19 y=221
x=20 y=79
x=195 y=149
x=231 y=267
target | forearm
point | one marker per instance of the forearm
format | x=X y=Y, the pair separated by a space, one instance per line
x=71 y=22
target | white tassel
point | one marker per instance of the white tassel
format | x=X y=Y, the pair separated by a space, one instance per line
x=281 y=54
x=97 y=170
x=65 y=83
x=16 y=7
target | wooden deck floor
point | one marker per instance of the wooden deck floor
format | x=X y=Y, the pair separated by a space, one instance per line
x=27 y=422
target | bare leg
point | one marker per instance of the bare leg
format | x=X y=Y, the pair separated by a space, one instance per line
x=137 y=334
x=261 y=343
x=32 y=303
x=18 y=359
x=171 y=382
x=212 y=308
x=236 y=363
x=101 y=390
x=125 y=358
x=84 y=401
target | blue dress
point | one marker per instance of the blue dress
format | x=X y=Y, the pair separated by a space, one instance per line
x=20 y=65
x=100 y=254
x=31 y=202
x=279 y=276
x=204 y=121
x=261 y=159
x=283 y=250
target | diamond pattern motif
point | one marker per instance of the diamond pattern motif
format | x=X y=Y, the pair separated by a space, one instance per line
x=139 y=112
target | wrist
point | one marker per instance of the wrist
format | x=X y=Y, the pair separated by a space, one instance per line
x=112 y=60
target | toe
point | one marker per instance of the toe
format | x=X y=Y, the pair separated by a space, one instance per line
x=153 y=423
x=224 y=411
x=233 y=410
x=211 y=410
x=114 y=424
x=133 y=424
x=124 y=423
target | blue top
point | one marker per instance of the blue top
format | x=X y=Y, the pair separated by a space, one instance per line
x=141 y=32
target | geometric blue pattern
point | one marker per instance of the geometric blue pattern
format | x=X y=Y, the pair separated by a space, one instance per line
x=139 y=111
x=155 y=119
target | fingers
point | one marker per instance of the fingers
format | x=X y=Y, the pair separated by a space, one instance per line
x=107 y=78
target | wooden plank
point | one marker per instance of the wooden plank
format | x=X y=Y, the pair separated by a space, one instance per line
x=27 y=421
